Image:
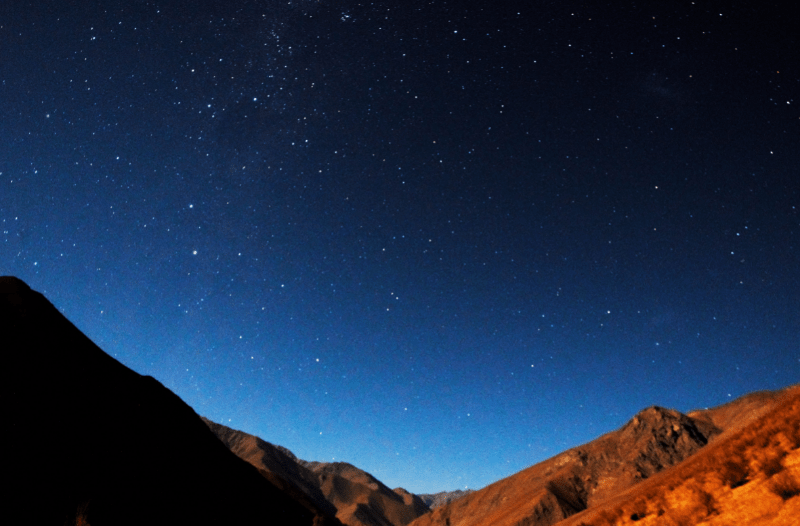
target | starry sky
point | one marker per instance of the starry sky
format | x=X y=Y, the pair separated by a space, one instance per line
x=439 y=240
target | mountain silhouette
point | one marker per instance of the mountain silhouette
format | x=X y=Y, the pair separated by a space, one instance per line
x=88 y=436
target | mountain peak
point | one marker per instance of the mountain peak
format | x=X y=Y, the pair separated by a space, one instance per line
x=667 y=423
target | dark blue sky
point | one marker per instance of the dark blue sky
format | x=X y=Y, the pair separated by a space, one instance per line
x=439 y=240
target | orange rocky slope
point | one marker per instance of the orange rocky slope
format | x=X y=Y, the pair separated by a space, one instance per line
x=584 y=477
x=749 y=476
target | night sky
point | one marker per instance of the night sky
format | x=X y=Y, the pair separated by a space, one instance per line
x=439 y=240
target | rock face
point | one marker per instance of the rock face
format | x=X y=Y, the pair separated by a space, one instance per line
x=655 y=439
x=566 y=484
x=85 y=432
x=354 y=496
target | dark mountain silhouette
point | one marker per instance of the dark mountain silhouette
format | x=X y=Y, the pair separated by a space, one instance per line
x=595 y=473
x=353 y=495
x=84 y=432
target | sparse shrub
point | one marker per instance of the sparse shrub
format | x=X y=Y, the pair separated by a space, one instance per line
x=734 y=473
x=658 y=503
x=695 y=505
x=707 y=502
x=794 y=436
x=785 y=485
x=80 y=516
x=762 y=440
x=609 y=516
x=639 y=510
x=680 y=518
x=773 y=465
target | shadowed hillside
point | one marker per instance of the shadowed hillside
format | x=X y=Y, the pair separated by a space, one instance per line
x=88 y=437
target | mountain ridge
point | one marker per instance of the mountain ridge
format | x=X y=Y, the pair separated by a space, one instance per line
x=354 y=496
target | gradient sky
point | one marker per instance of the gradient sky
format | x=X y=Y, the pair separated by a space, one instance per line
x=439 y=240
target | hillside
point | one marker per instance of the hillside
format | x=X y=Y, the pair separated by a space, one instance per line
x=749 y=477
x=584 y=477
x=92 y=438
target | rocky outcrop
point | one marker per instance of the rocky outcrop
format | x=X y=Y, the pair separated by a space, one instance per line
x=654 y=439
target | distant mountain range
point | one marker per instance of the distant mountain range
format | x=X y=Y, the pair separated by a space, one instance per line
x=352 y=495
x=94 y=442
x=437 y=500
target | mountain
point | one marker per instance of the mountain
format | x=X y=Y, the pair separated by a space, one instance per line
x=361 y=499
x=90 y=439
x=353 y=495
x=595 y=473
x=87 y=437
x=748 y=476
x=436 y=500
